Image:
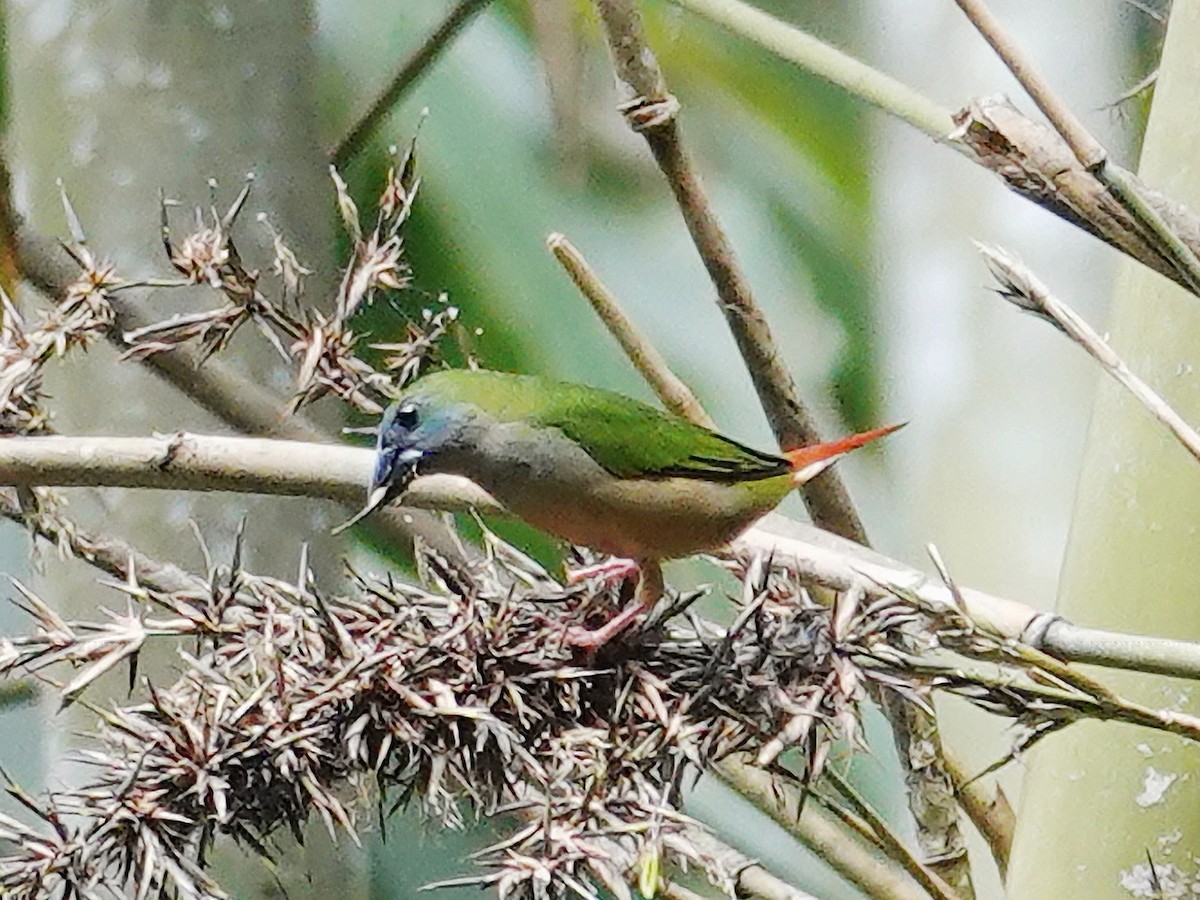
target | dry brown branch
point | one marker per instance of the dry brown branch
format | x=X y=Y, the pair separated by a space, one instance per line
x=820 y=831
x=879 y=832
x=651 y=111
x=1037 y=164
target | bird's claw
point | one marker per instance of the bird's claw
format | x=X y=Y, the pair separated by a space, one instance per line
x=591 y=639
x=611 y=571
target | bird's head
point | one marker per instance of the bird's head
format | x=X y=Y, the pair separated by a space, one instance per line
x=415 y=432
x=415 y=436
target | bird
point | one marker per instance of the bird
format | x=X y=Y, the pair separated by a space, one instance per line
x=592 y=467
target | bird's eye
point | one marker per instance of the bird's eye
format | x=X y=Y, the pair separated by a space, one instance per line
x=406 y=417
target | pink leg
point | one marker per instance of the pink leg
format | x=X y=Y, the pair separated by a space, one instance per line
x=649 y=590
x=611 y=570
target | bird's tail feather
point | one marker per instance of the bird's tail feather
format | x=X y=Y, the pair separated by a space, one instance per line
x=809 y=462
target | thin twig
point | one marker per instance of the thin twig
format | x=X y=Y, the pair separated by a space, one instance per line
x=1090 y=152
x=887 y=839
x=836 y=845
x=827 y=62
x=652 y=111
x=674 y=394
x=1021 y=287
x=408 y=72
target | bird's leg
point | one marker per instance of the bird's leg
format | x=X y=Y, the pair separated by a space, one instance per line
x=616 y=568
x=649 y=590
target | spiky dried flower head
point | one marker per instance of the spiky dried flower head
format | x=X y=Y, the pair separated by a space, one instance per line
x=323 y=346
x=82 y=314
x=460 y=696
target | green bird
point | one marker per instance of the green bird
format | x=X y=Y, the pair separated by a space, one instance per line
x=590 y=466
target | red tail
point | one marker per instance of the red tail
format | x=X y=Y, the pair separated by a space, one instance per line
x=809 y=462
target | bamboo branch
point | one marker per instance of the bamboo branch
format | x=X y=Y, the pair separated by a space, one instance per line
x=651 y=111
x=813 y=55
x=408 y=72
x=828 y=561
x=1032 y=159
x=338 y=472
x=1021 y=287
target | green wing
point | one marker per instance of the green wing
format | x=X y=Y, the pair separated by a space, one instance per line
x=628 y=438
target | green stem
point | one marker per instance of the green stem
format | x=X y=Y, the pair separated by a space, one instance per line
x=802 y=49
x=410 y=70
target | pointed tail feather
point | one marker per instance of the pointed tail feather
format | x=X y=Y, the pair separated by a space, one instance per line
x=809 y=462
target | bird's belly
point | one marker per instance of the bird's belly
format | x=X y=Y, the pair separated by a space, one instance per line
x=644 y=519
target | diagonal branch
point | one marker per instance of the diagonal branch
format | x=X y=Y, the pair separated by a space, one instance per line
x=1021 y=287
x=1087 y=150
x=652 y=112
x=1031 y=158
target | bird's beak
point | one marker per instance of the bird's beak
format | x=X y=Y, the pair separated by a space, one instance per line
x=394 y=472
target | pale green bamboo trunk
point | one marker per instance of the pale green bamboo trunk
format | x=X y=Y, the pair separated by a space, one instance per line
x=1100 y=798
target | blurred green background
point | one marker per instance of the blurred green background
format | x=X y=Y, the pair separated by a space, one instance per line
x=853 y=231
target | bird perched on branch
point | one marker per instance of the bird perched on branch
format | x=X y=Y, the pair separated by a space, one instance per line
x=591 y=466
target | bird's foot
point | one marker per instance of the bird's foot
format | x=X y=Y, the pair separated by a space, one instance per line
x=592 y=639
x=611 y=571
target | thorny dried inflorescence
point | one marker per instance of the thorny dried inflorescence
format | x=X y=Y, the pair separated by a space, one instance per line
x=323 y=347
x=82 y=315
x=461 y=696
